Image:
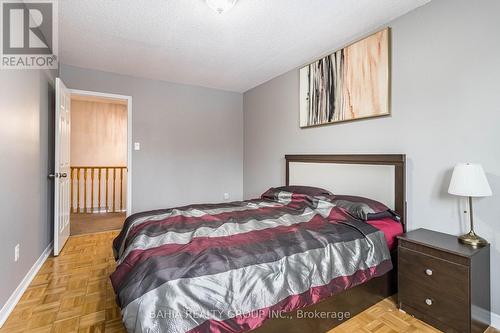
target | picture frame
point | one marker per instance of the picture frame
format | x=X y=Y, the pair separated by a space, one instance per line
x=349 y=84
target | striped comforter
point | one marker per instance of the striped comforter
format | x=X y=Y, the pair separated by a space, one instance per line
x=229 y=267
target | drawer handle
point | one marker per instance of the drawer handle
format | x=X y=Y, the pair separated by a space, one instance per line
x=428 y=271
x=428 y=301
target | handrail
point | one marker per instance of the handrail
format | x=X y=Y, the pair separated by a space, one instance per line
x=95 y=174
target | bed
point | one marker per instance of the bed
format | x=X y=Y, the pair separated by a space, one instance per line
x=288 y=261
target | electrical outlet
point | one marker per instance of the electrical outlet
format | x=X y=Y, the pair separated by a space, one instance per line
x=16 y=252
x=226 y=196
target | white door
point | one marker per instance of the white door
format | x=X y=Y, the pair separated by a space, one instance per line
x=62 y=186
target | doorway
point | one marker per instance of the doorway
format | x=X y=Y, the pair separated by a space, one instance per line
x=100 y=163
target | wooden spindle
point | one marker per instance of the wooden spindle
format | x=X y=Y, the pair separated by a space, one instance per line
x=92 y=190
x=72 y=207
x=121 y=189
x=99 y=190
x=85 y=190
x=78 y=190
x=114 y=190
x=107 y=177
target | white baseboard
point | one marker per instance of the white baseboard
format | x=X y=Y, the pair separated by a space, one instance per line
x=21 y=288
x=495 y=320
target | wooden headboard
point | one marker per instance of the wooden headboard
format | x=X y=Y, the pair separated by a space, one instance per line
x=386 y=181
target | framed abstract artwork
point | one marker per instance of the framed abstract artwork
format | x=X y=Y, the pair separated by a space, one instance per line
x=351 y=83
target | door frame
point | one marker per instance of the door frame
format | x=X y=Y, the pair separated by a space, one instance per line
x=129 y=135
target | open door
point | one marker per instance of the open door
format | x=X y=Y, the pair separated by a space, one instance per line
x=62 y=186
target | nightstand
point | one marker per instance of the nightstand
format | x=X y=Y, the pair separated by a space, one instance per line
x=443 y=282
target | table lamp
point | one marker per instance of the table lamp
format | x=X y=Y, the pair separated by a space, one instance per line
x=469 y=180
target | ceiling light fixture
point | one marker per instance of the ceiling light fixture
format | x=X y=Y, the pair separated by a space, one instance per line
x=221 y=6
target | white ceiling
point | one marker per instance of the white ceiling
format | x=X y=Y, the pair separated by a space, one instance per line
x=184 y=41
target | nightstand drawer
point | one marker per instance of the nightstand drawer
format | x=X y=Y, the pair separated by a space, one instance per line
x=431 y=303
x=452 y=280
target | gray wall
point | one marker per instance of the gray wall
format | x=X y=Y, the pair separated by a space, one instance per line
x=191 y=142
x=26 y=104
x=446 y=109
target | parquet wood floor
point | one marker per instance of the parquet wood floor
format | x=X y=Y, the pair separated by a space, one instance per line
x=384 y=317
x=72 y=293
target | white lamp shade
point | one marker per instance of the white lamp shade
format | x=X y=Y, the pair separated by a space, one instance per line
x=469 y=180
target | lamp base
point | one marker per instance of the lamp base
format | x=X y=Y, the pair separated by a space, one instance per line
x=472 y=239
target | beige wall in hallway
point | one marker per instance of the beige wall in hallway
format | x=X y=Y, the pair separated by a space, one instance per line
x=99 y=138
x=98 y=133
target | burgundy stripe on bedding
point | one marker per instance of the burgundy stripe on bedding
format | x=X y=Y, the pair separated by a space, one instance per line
x=182 y=223
x=243 y=323
x=214 y=265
